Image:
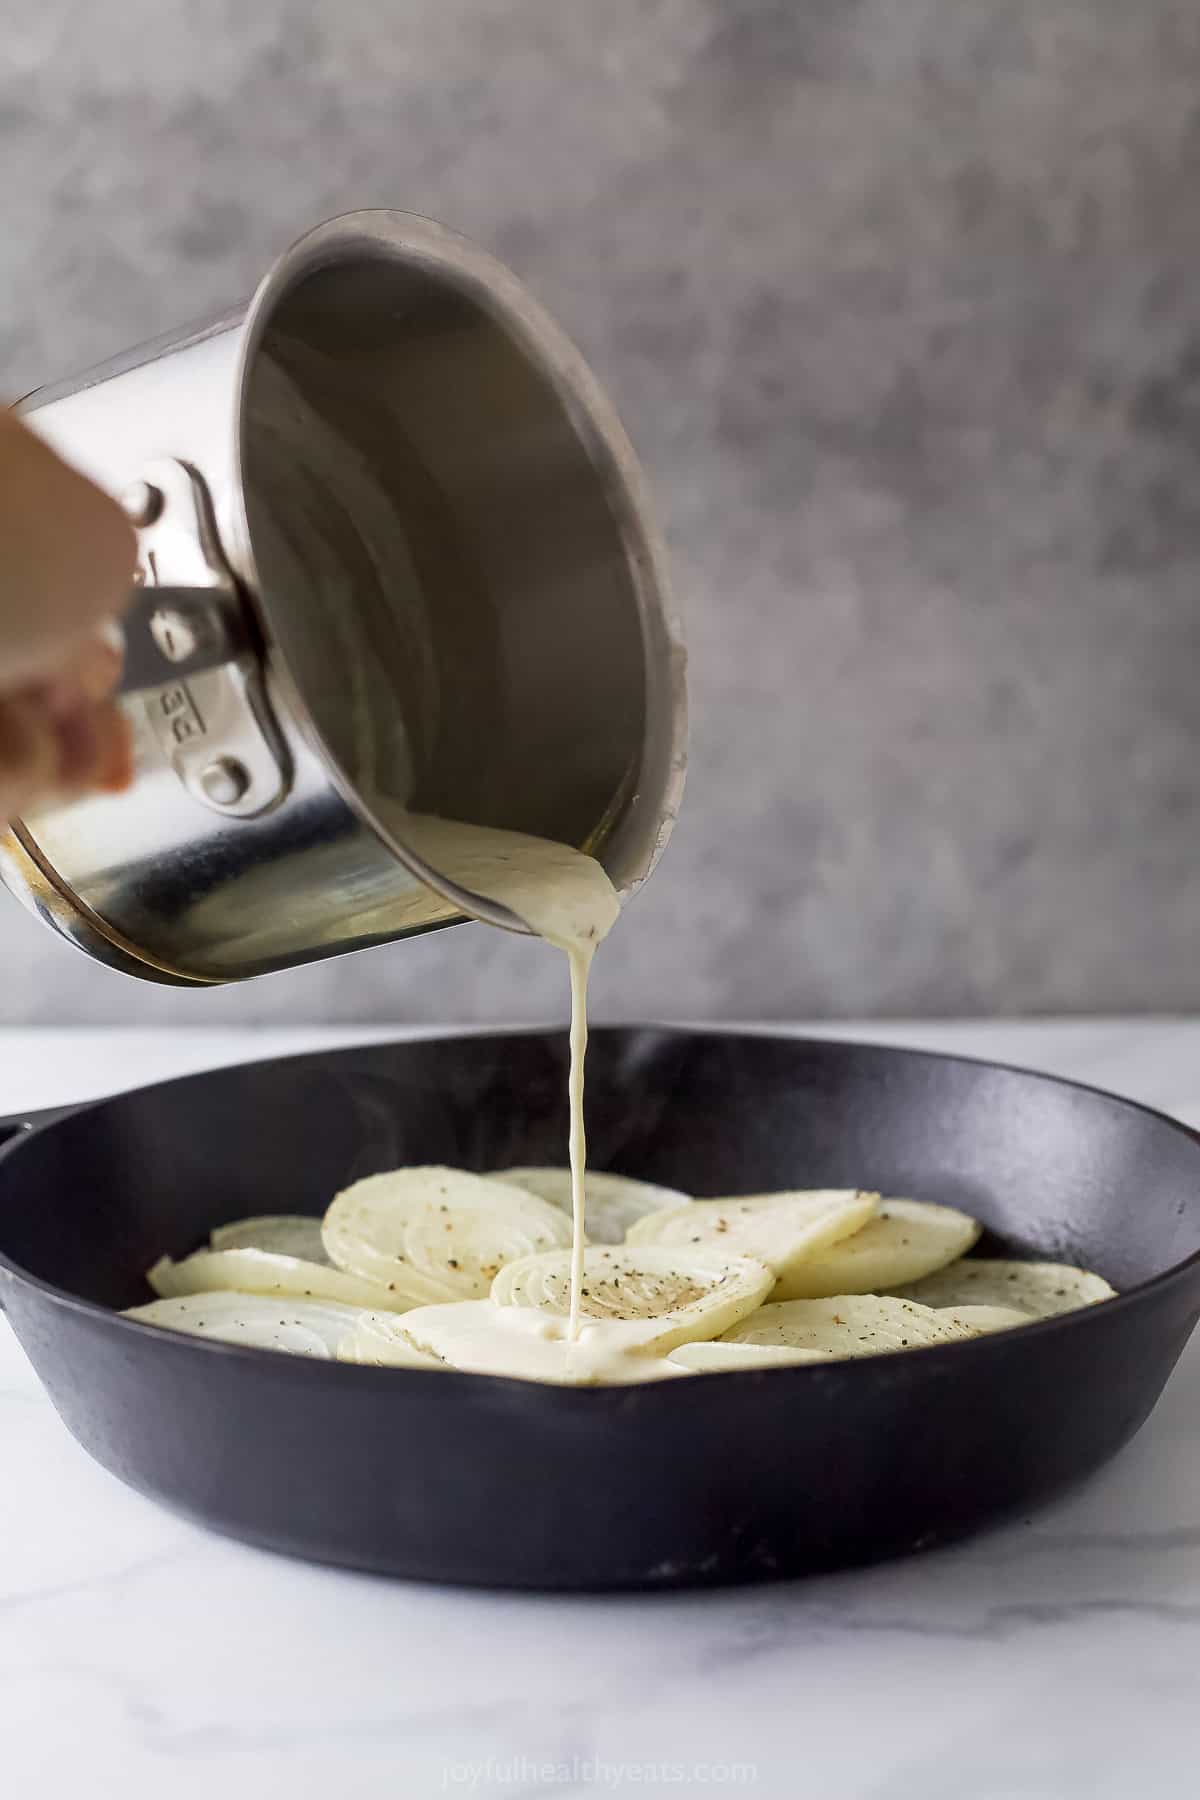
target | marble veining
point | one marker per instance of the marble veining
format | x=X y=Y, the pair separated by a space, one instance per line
x=1052 y=1659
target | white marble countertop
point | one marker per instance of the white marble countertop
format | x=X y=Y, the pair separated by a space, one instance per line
x=140 y=1656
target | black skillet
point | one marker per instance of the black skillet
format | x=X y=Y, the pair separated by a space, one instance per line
x=719 y=1478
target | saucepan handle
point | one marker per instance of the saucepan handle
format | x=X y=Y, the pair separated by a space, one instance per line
x=185 y=615
x=172 y=633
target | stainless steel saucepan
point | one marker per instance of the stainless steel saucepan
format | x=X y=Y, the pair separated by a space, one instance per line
x=394 y=557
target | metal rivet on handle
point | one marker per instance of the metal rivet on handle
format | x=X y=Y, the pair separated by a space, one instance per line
x=141 y=502
x=175 y=635
x=225 y=781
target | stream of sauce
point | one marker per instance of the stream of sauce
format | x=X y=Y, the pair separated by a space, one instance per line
x=566 y=899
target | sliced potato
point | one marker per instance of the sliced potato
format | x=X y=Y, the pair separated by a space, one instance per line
x=985 y=1318
x=1039 y=1289
x=614 y=1202
x=716 y=1359
x=905 y=1240
x=437 y=1233
x=848 y=1325
x=645 y=1297
x=782 y=1230
x=486 y=1339
x=267 y=1272
x=300 y=1327
x=288 y=1234
x=376 y=1340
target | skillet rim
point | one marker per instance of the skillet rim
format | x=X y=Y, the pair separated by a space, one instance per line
x=560 y=1394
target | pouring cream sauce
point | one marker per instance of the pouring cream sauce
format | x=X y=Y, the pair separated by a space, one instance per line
x=565 y=898
x=331 y=530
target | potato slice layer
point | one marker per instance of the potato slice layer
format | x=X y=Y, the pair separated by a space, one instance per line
x=1040 y=1289
x=724 y=1356
x=782 y=1230
x=848 y=1325
x=267 y=1272
x=376 y=1340
x=287 y=1234
x=905 y=1240
x=300 y=1327
x=614 y=1202
x=645 y=1297
x=429 y=1234
x=986 y=1318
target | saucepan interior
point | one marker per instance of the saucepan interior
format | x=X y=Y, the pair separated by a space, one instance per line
x=428 y=469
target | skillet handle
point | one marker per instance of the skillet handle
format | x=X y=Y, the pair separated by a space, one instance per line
x=11 y=1131
x=14 y=1128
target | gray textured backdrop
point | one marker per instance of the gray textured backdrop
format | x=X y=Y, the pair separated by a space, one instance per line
x=901 y=303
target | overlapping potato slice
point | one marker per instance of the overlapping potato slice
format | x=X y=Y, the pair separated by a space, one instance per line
x=905 y=1240
x=431 y=1234
x=782 y=1230
x=848 y=1325
x=376 y=1340
x=287 y=1234
x=300 y=1327
x=268 y=1272
x=724 y=1356
x=479 y=1337
x=1039 y=1289
x=614 y=1202
x=639 y=1297
x=983 y=1319
x=434 y=1268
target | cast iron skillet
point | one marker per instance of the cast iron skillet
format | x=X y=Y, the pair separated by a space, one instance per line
x=719 y=1478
